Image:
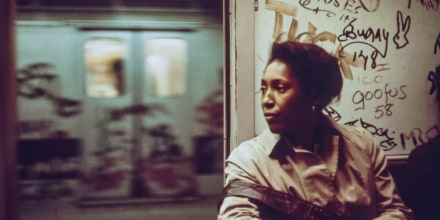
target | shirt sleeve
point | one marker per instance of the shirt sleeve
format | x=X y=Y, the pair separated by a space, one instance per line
x=388 y=201
x=233 y=207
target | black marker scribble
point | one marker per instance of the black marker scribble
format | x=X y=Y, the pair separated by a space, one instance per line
x=387 y=144
x=434 y=77
x=30 y=80
x=367 y=37
x=437 y=44
x=331 y=112
x=375 y=5
x=331 y=7
x=403 y=26
x=418 y=136
x=381 y=99
x=351 y=123
x=415 y=135
x=316 y=10
x=364 y=55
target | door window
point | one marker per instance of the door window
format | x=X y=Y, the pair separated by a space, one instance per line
x=165 y=66
x=104 y=60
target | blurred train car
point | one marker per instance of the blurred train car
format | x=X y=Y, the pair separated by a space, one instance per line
x=119 y=100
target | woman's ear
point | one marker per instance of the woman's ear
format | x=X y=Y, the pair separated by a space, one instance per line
x=315 y=96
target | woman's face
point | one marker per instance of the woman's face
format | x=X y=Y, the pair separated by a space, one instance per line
x=285 y=105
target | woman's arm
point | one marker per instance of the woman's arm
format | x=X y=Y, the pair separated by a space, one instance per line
x=233 y=207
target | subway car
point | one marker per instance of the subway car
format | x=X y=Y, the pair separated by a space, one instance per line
x=119 y=102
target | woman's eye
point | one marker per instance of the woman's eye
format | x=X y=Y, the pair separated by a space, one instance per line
x=281 y=88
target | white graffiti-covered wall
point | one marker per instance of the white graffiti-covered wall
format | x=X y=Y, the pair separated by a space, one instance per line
x=389 y=54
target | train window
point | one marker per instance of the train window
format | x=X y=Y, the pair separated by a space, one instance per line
x=104 y=59
x=165 y=66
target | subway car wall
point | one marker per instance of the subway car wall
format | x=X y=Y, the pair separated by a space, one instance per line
x=116 y=104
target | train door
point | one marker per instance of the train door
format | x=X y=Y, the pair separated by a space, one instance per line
x=139 y=115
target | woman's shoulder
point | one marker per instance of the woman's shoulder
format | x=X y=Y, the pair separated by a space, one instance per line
x=353 y=133
x=357 y=140
x=360 y=144
x=356 y=133
x=255 y=148
x=246 y=150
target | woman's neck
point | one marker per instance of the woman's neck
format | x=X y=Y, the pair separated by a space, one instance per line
x=309 y=135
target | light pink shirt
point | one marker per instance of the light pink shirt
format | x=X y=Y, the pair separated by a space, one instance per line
x=348 y=175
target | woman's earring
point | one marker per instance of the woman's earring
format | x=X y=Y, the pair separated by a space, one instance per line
x=313 y=108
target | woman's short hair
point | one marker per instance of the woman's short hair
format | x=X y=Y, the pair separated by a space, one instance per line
x=317 y=71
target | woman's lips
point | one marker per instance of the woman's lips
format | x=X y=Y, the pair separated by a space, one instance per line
x=270 y=117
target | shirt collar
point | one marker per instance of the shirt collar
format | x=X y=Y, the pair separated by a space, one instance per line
x=268 y=140
x=273 y=143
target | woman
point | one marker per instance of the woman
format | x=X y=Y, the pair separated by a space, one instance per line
x=305 y=165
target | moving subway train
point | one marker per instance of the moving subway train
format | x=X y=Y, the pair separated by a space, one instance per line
x=119 y=102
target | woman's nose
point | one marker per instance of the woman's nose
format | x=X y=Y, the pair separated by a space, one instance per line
x=267 y=99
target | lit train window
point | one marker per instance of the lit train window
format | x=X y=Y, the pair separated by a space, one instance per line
x=165 y=66
x=104 y=61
